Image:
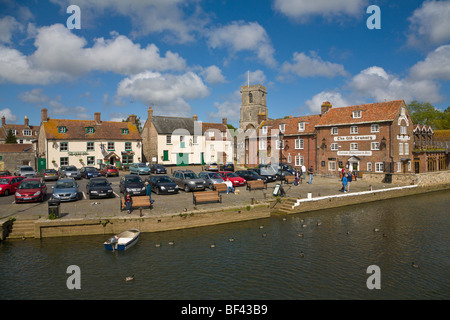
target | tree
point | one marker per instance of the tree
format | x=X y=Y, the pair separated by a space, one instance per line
x=10 y=137
x=138 y=123
x=425 y=113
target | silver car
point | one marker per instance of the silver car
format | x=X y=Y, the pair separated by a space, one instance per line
x=66 y=190
x=188 y=180
x=25 y=171
x=70 y=172
x=211 y=178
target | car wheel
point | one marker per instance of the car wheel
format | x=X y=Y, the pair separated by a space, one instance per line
x=6 y=192
x=158 y=192
x=186 y=188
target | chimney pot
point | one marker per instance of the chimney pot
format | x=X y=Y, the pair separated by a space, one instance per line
x=44 y=117
x=3 y=120
x=97 y=117
x=195 y=117
x=325 y=107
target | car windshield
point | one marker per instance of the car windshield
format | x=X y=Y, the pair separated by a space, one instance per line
x=110 y=167
x=267 y=171
x=134 y=179
x=30 y=185
x=163 y=179
x=4 y=181
x=232 y=175
x=71 y=168
x=141 y=165
x=50 y=171
x=213 y=164
x=251 y=173
x=190 y=175
x=90 y=169
x=64 y=184
x=99 y=183
x=215 y=176
x=26 y=169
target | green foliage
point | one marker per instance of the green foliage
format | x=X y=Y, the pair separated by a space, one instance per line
x=425 y=113
x=10 y=137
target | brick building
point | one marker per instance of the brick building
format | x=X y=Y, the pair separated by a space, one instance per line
x=375 y=137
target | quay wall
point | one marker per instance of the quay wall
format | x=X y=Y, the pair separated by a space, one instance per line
x=45 y=228
x=421 y=179
x=341 y=200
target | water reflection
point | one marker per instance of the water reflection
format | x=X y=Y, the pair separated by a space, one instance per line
x=319 y=255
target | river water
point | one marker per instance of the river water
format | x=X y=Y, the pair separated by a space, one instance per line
x=323 y=256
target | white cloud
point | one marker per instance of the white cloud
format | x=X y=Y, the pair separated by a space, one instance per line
x=33 y=96
x=430 y=24
x=62 y=55
x=8 y=25
x=9 y=116
x=435 y=66
x=241 y=36
x=312 y=66
x=213 y=75
x=230 y=109
x=254 y=77
x=334 y=97
x=302 y=10
x=179 y=20
x=376 y=83
x=166 y=91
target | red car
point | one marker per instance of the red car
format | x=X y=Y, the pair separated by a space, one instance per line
x=30 y=190
x=9 y=184
x=109 y=171
x=233 y=177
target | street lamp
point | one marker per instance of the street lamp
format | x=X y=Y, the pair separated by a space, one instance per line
x=280 y=138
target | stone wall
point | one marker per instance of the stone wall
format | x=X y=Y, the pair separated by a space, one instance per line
x=422 y=179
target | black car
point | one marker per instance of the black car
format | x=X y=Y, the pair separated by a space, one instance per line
x=227 y=166
x=163 y=184
x=271 y=175
x=90 y=172
x=99 y=188
x=132 y=184
x=158 y=168
x=250 y=175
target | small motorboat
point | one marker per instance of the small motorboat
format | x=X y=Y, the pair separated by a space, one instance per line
x=123 y=240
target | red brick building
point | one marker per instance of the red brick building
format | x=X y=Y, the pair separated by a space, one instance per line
x=375 y=137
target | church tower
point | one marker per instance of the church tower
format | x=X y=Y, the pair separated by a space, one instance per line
x=253 y=106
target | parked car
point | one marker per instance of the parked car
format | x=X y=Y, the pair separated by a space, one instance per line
x=132 y=184
x=158 y=168
x=188 y=180
x=250 y=175
x=48 y=174
x=69 y=172
x=212 y=166
x=30 y=190
x=9 y=184
x=227 y=166
x=5 y=173
x=269 y=173
x=108 y=170
x=66 y=190
x=99 y=188
x=90 y=172
x=233 y=177
x=210 y=178
x=25 y=171
x=163 y=184
x=139 y=168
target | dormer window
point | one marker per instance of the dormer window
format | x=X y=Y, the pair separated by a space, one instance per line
x=301 y=126
x=89 y=130
x=27 y=132
x=62 y=129
x=125 y=131
x=282 y=127
x=356 y=114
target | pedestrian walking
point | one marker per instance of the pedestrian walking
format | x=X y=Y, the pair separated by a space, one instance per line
x=344 y=183
x=310 y=173
x=349 y=180
x=304 y=172
x=148 y=192
x=297 y=175
x=128 y=202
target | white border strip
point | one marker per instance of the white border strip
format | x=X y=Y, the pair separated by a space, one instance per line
x=299 y=201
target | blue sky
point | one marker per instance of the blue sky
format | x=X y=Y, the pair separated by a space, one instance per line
x=186 y=57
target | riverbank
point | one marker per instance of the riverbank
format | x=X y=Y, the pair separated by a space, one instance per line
x=103 y=217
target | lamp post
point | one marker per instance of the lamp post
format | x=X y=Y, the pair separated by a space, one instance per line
x=280 y=138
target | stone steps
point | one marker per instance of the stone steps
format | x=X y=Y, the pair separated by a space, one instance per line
x=286 y=205
x=22 y=228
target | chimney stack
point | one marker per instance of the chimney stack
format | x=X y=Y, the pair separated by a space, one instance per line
x=149 y=113
x=97 y=116
x=44 y=117
x=224 y=121
x=3 y=121
x=325 y=107
x=195 y=117
x=27 y=121
x=261 y=117
x=132 y=119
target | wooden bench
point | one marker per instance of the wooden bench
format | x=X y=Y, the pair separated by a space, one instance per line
x=256 y=184
x=136 y=202
x=206 y=196
x=289 y=179
x=220 y=187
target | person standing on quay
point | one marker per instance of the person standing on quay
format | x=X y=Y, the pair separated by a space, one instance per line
x=128 y=202
x=304 y=172
x=311 y=173
x=344 y=183
x=349 y=180
x=148 y=192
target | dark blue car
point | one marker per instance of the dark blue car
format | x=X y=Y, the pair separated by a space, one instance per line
x=90 y=172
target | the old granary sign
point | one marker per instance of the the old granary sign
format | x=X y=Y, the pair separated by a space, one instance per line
x=356 y=138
